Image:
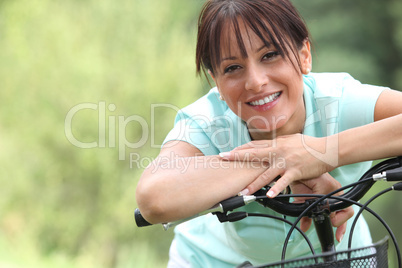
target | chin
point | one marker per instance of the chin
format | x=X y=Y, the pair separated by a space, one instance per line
x=264 y=125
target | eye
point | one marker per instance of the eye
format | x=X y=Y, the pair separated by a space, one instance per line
x=270 y=55
x=231 y=68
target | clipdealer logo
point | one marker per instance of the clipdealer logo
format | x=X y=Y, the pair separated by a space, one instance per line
x=108 y=125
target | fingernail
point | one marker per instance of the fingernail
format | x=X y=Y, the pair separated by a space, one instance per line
x=340 y=239
x=244 y=192
x=224 y=154
x=270 y=194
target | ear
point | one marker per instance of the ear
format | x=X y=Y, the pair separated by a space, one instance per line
x=212 y=76
x=216 y=83
x=305 y=57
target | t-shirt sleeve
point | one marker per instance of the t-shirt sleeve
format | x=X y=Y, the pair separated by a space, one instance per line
x=358 y=103
x=336 y=102
x=192 y=131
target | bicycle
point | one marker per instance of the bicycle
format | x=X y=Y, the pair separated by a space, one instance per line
x=318 y=208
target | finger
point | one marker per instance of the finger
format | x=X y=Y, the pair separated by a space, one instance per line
x=250 y=155
x=248 y=145
x=305 y=224
x=253 y=144
x=340 y=232
x=262 y=180
x=282 y=183
x=340 y=217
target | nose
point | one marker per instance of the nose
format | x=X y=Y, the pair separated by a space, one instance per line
x=257 y=78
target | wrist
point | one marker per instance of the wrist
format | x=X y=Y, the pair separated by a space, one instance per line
x=325 y=150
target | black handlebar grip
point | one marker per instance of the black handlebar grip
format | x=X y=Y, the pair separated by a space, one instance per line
x=232 y=203
x=139 y=220
x=397 y=186
x=394 y=174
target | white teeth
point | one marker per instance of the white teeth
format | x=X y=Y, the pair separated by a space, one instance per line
x=267 y=99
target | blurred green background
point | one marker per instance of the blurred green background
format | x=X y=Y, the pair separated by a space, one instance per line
x=109 y=76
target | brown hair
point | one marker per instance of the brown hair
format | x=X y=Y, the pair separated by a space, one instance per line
x=275 y=22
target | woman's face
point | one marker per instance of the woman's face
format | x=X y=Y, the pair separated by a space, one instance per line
x=264 y=89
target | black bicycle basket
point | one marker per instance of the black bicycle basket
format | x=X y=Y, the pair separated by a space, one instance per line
x=372 y=256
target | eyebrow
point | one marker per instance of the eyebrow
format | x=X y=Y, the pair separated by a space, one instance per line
x=234 y=58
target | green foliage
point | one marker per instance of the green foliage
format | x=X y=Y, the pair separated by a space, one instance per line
x=61 y=200
x=66 y=206
x=360 y=37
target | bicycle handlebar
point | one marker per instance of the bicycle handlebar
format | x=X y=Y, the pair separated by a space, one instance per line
x=389 y=170
x=139 y=219
x=222 y=207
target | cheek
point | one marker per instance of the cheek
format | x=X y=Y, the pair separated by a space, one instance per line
x=295 y=89
x=231 y=92
x=235 y=106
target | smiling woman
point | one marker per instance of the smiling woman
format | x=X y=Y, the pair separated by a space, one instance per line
x=243 y=49
x=267 y=107
x=263 y=85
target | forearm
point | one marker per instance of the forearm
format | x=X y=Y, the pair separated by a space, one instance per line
x=378 y=140
x=185 y=186
x=307 y=157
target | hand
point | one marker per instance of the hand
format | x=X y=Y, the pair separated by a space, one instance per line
x=294 y=157
x=323 y=184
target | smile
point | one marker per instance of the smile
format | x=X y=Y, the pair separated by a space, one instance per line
x=265 y=100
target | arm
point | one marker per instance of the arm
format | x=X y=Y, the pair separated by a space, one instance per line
x=309 y=157
x=378 y=140
x=178 y=177
x=182 y=175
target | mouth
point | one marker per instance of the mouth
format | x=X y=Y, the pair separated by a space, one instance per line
x=266 y=100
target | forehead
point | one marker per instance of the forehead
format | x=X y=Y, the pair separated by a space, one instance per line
x=237 y=38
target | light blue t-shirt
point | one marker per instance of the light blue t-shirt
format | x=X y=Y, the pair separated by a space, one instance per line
x=334 y=102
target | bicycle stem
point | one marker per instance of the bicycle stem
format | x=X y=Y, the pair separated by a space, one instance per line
x=325 y=233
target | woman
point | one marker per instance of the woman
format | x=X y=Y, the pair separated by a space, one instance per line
x=268 y=116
